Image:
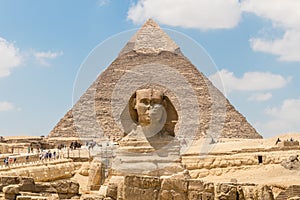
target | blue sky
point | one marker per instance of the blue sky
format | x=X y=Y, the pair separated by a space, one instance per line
x=255 y=45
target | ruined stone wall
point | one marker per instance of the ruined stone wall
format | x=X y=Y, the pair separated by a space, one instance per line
x=154 y=188
x=218 y=164
x=42 y=173
x=96 y=102
x=24 y=188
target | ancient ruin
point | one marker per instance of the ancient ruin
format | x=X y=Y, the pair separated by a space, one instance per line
x=151 y=126
x=152 y=52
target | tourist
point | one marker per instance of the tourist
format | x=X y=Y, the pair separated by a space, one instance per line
x=75 y=145
x=46 y=156
x=10 y=160
x=5 y=161
x=71 y=145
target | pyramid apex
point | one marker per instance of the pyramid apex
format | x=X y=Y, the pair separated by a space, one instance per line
x=150 y=22
x=149 y=39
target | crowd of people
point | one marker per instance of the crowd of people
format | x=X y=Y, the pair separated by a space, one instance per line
x=44 y=155
x=39 y=154
x=75 y=145
x=49 y=155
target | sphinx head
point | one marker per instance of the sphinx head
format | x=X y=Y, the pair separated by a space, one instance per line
x=150 y=108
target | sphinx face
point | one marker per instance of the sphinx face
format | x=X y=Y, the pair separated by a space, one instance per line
x=149 y=106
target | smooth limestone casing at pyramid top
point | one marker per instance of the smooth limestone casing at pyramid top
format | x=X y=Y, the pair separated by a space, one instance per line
x=150 y=45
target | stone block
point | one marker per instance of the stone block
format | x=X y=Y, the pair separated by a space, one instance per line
x=112 y=191
x=11 y=192
x=263 y=192
x=95 y=175
x=180 y=185
x=166 y=194
x=27 y=184
x=207 y=196
x=33 y=198
x=174 y=189
x=8 y=180
x=225 y=191
x=44 y=188
x=195 y=189
x=143 y=182
x=66 y=187
x=11 y=189
x=134 y=193
x=91 y=197
x=209 y=187
x=194 y=195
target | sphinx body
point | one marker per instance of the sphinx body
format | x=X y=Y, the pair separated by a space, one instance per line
x=149 y=148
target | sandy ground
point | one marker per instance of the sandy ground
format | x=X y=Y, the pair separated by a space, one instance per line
x=228 y=145
x=263 y=174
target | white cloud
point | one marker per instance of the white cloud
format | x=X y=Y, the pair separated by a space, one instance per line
x=284 y=118
x=284 y=15
x=10 y=57
x=103 y=2
x=220 y=14
x=6 y=106
x=250 y=81
x=43 y=57
x=260 y=97
x=287 y=48
x=289 y=110
x=199 y=14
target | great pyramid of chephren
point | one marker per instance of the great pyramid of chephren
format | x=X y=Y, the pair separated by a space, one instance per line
x=94 y=115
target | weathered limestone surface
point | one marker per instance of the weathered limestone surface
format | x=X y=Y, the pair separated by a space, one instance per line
x=136 y=156
x=44 y=173
x=35 y=198
x=174 y=189
x=84 y=170
x=24 y=188
x=24 y=183
x=65 y=189
x=292 y=163
x=291 y=193
x=165 y=188
x=91 y=197
x=150 y=39
x=11 y=191
x=91 y=116
x=136 y=187
x=219 y=164
x=95 y=175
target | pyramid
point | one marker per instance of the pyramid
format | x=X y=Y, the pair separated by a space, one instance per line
x=149 y=55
